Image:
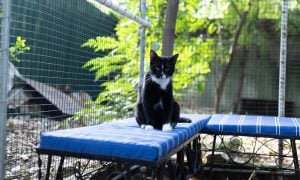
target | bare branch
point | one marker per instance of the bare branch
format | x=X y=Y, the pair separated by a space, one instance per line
x=236 y=9
x=225 y=70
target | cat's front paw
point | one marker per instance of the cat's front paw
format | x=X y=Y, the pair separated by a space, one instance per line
x=143 y=126
x=167 y=127
x=149 y=127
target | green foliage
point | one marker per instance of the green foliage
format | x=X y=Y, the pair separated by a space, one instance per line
x=18 y=48
x=202 y=27
x=118 y=62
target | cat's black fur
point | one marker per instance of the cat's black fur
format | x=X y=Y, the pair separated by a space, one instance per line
x=156 y=105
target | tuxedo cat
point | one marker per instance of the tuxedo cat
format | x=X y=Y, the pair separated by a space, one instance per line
x=156 y=107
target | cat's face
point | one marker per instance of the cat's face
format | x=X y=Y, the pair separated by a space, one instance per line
x=162 y=67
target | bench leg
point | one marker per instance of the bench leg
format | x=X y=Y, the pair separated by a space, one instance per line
x=171 y=169
x=59 y=170
x=190 y=155
x=197 y=155
x=48 y=166
x=193 y=154
x=180 y=163
x=160 y=171
x=128 y=171
x=212 y=156
x=40 y=167
x=295 y=158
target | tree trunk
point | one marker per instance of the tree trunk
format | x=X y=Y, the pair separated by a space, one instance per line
x=240 y=84
x=225 y=70
x=169 y=28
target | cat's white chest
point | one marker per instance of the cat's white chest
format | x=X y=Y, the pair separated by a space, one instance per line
x=163 y=83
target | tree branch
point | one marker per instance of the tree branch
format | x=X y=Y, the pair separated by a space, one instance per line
x=225 y=70
x=235 y=8
x=242 y=67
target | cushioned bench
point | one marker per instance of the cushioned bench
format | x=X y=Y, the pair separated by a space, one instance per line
x=120 y=141
x=256 y=126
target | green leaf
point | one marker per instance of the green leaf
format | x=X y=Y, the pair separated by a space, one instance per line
x=18 y=49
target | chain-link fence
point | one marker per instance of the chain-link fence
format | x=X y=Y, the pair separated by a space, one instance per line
x=229 y=62
x=251 y=69
x=244 y=76
x=47 y=82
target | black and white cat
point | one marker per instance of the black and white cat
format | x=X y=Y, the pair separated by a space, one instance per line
x=156 y=107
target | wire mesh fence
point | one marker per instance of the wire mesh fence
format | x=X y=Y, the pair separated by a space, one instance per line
x=47 y=81
x=236 y=51
x=251 y=85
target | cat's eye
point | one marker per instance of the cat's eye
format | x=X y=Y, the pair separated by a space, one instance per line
x=157 y=68
x=168 y=67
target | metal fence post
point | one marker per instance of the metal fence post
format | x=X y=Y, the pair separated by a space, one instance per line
x=5 y=28
x=142 y=46
x=110 y=4
x=282 y=69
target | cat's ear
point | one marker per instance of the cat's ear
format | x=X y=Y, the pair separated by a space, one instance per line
x=153 y=55
x=174 y=58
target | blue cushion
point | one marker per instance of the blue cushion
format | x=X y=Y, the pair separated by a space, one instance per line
x=123 y=139
x=254 y=125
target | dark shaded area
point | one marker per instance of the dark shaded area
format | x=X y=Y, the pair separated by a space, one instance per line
x=265 y=107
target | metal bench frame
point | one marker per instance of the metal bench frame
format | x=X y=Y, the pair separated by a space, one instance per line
x=191 y=148
x=292 y=141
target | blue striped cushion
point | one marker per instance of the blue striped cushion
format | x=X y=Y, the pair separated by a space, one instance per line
x=254 y=125
x=122 y=139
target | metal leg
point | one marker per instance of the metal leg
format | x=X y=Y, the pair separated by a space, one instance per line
x=48 y=166
x=180 y=162
x=199 y=163
x=40 y=167
x=190 y=158
x=212 y=156
x=198 y=153
x=160 y=171
x=193 y=155
x=153 y=173
x=295 y=158
x=128 y=171
x=59 y=170
x=171 y=170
